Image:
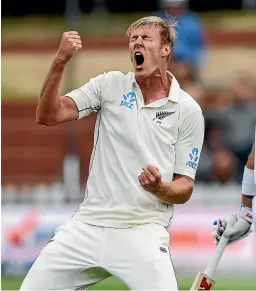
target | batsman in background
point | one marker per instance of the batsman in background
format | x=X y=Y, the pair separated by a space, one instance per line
x=244 y=219
x=147 y=142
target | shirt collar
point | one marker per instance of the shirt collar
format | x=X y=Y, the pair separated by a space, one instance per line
x=174 y=89
x=174 y=92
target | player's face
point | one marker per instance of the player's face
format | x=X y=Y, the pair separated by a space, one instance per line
x=146 y=50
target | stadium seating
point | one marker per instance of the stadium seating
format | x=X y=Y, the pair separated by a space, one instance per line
x=33 y=153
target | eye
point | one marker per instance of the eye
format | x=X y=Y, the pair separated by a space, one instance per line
x=146 y=37
x=133 y=38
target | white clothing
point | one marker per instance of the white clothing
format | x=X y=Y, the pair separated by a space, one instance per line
x=81 y=255
x=129 y=135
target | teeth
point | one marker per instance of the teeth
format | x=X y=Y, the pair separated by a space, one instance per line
x=138 y=54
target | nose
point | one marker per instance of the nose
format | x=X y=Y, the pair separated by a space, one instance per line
x=138 y=42
x=139 y=39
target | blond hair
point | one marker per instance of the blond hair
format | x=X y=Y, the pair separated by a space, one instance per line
x=167 y=27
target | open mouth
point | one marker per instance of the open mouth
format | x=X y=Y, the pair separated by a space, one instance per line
x=139 y=58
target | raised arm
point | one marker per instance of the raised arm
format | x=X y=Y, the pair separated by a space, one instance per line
x=52 y=108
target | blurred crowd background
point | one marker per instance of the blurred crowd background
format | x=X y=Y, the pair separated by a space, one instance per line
x=229 y=105
x=214 y=59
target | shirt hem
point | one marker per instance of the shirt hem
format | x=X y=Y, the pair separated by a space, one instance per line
x=81 y=218
x=185 y=172
x=78 y=105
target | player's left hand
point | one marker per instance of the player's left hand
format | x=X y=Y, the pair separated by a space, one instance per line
x=150 y=179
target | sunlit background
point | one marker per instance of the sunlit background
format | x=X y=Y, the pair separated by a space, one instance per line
x=44 y=169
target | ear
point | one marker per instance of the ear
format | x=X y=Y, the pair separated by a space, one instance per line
x=166 y=50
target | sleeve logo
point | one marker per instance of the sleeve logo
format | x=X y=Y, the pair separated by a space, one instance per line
x=193 y=159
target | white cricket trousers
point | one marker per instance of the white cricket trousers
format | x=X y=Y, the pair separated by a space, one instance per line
x=80 y=255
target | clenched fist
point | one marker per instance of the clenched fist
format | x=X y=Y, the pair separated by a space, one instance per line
x=70 y=44
x=150 y=179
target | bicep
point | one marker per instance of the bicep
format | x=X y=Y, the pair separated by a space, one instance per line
x=185 y=184
x=184 y=178
x=88 y=97
x=68 y=110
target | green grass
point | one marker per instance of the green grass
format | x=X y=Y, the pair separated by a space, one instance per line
x=13 y=283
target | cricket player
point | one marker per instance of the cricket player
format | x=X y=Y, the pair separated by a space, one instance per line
x=242 y=227
x=147 y=143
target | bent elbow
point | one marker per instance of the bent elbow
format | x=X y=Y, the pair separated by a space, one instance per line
x=187 y=195
x=43 y=120
x=185 y=198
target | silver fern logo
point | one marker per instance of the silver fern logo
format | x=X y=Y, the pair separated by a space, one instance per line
x=160 y=115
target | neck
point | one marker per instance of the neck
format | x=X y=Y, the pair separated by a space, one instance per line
x=155 y=87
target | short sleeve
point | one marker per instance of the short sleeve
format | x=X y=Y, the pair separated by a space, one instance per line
x=88 y=97
x=189 y=145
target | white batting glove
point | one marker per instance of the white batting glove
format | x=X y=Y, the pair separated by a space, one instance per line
x=241 y=229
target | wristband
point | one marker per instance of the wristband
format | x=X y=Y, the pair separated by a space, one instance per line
x=248 y=184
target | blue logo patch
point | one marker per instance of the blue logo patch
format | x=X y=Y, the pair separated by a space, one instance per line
x=128 y=100
x=192 y=163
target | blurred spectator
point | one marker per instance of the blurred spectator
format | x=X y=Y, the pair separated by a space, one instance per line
x=183 y=72
x=243 y=88
x=216 y=98
x=190 y=46
x=224 y=165
x=216 y=162
x=235 y=115
x=196 y=90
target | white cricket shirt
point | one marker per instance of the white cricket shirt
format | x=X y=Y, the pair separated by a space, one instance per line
x=128 y=136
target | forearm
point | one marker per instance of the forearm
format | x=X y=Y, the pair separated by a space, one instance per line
x=176 y=192
x=50 y=102
x=250 y=161
x=247 y=200
x=248 y=185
